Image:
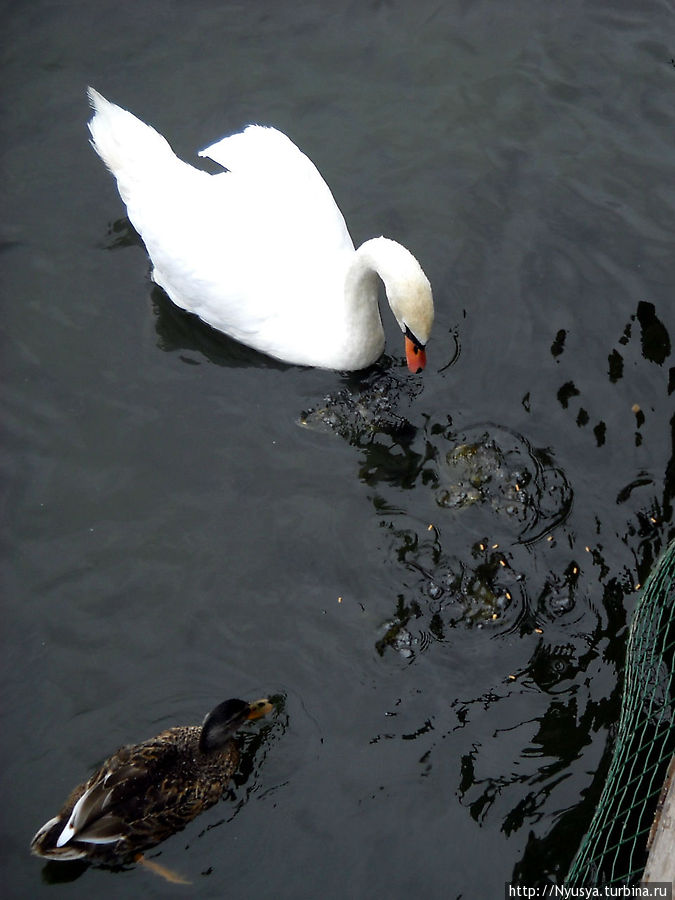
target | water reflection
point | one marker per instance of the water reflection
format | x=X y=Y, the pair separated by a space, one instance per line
x=182 y=332
x=654 y=347
x=63 y=872
x=122 y=234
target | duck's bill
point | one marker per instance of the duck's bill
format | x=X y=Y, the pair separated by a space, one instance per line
x=415 y=355
x=259 y=708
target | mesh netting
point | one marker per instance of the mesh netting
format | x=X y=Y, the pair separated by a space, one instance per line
x=614 y=849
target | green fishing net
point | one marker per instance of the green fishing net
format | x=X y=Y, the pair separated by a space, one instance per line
x=614 y=850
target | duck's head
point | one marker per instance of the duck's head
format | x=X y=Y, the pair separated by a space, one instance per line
x=221 y=723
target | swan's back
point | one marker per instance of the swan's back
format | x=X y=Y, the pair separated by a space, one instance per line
x=259 y=251
x=262 y=151
x=288 y=201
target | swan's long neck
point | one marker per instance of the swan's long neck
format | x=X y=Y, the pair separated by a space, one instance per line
x=396 y=266
x=356 y=335
x=363 y=336
x=378 y=258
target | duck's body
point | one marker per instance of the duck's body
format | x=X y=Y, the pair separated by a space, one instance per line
x=146 y=792
x=261 y=252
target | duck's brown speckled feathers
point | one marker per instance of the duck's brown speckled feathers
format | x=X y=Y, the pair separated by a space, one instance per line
x=144 y=793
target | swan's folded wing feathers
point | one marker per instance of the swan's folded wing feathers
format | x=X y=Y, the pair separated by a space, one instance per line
x=259 y=149
x=283 y=184
x=252 y=251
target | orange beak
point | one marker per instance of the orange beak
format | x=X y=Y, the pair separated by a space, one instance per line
x=415 y=355
x=259 y=708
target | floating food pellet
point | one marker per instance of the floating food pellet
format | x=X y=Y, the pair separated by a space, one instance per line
x=635 y=408
x=539 y=630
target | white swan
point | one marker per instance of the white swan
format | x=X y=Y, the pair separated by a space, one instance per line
x=262 y=251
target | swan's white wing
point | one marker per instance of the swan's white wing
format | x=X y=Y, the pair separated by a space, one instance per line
x=260 y=149
x=282 y=195
x=259 y=252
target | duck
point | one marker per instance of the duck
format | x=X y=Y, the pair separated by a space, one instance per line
x=260 y=250
x=146 y=792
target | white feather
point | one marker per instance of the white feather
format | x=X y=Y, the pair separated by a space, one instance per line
x=261 y=251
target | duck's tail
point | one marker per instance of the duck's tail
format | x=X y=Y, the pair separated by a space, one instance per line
x=129 y=148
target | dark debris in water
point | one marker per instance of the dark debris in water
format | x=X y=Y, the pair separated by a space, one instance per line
x=498 y=555
x=371 y=407
x=491 y=478
x=478 y=472
x=499 y=469
x=396 y=635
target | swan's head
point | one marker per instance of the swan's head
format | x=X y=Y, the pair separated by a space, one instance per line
x=412 y=303
x=221 y=723
x=408 y=292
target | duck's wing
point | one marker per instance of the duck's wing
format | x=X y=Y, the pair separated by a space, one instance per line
x=90 y=822
x=160 y=790
x=114 y=796
x=88 y=817
x=139 y=796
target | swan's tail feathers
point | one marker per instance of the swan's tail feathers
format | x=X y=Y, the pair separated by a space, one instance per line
x=129 y=148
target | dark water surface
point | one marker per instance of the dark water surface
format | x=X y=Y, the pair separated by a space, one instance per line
x=173 y=533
